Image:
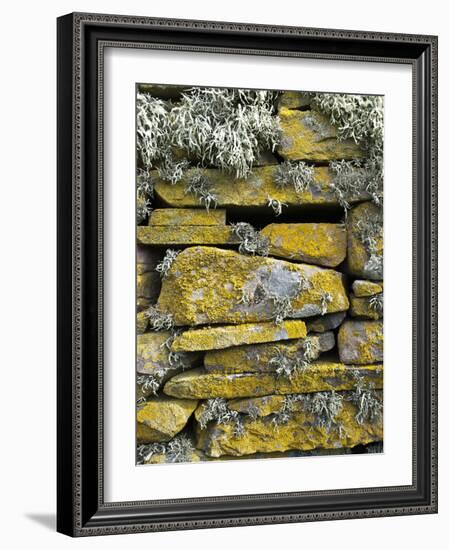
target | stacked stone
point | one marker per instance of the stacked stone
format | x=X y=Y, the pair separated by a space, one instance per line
x=225 y=343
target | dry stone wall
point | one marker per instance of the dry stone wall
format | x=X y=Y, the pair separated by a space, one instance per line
x=273 y=353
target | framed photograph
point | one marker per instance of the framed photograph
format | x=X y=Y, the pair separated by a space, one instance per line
x=247 y=275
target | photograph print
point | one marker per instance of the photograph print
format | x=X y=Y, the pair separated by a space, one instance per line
x=259 y=267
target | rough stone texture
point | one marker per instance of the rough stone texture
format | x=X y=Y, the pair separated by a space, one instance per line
x=256 y=357
x=187 y=216
x=235 y=335
x=363 y=289
x=147 y=258
x=320 y=376
x=254 y=191
x=257 y=406
x=315 y=243
x=327 y=322
x=153 y=355
x=308 y=135
x=293 y=100
x=148 y=287
x=185 y=235
x=209 y=284
x=141 y=322
x=361 y=307
x=301 y=432
x=361 y=342
x=358 y=256
x=161 y=418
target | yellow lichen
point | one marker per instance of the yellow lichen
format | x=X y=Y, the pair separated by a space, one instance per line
x=184 y=234
x=319 y=376
x=308 y=135
x=235 y=335
x=187 y=216
x=315 y=243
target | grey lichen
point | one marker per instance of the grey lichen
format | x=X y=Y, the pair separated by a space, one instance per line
x=163 y=267
x=225 y=128
x=325 y=407
x=159 y=320
x=325 y=299
x=298 y=174
x=376 y=302
x=251 y=241
x=369 y=230
x=276 y=205
x=369 y=407
x=361 y=118
x=144 y=195
x=217 y=410
x=179 y=449
x=200 y=187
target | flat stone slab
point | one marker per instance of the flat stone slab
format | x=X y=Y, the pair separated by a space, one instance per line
x=361 y=342
x=365 y=220
x=363 y=289
x=234 y=335
x=315 y=243
x=253 y=191
x=161 y=418
x=364 y=308
x=185 y=235
x=309 y=135
x=257 y=357
x=301 y=432
x=208 y=285
x=327 y=322
x=320 y=376
x=153 y=355
x=187 y=216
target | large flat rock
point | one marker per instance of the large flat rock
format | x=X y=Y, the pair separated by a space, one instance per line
x=234 y=335
x=309 y=135
x=167 y=235
x=319 y=376
x=253 y=191
x=301 y=432
x=315 y=243
x=361 y=342
x=257 y=357
x=187 y=216
x=208 y=285
x=161 y=418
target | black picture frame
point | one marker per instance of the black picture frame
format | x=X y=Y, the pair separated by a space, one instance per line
x=81 y=509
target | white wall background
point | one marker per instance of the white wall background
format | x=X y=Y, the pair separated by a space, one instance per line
x=27 y=252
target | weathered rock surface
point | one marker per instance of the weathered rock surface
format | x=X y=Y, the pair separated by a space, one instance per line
x=320 y=376
x=301 y=432
x=364 y=308
x=361 y=342
x=254 y=190
x=148 y=287
x=153 y=355
x=187 y=216
x=363 y=289
x=141 y=322
x=234 y=335
x=258 y=406
x=257 y=357
x=309 y=135
x=185 y=235
x=327 y=322
x=293 y=100
x=161 y=418
x=364 y=227
x=315 y=243
x=210 y=283
x=162 y=91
